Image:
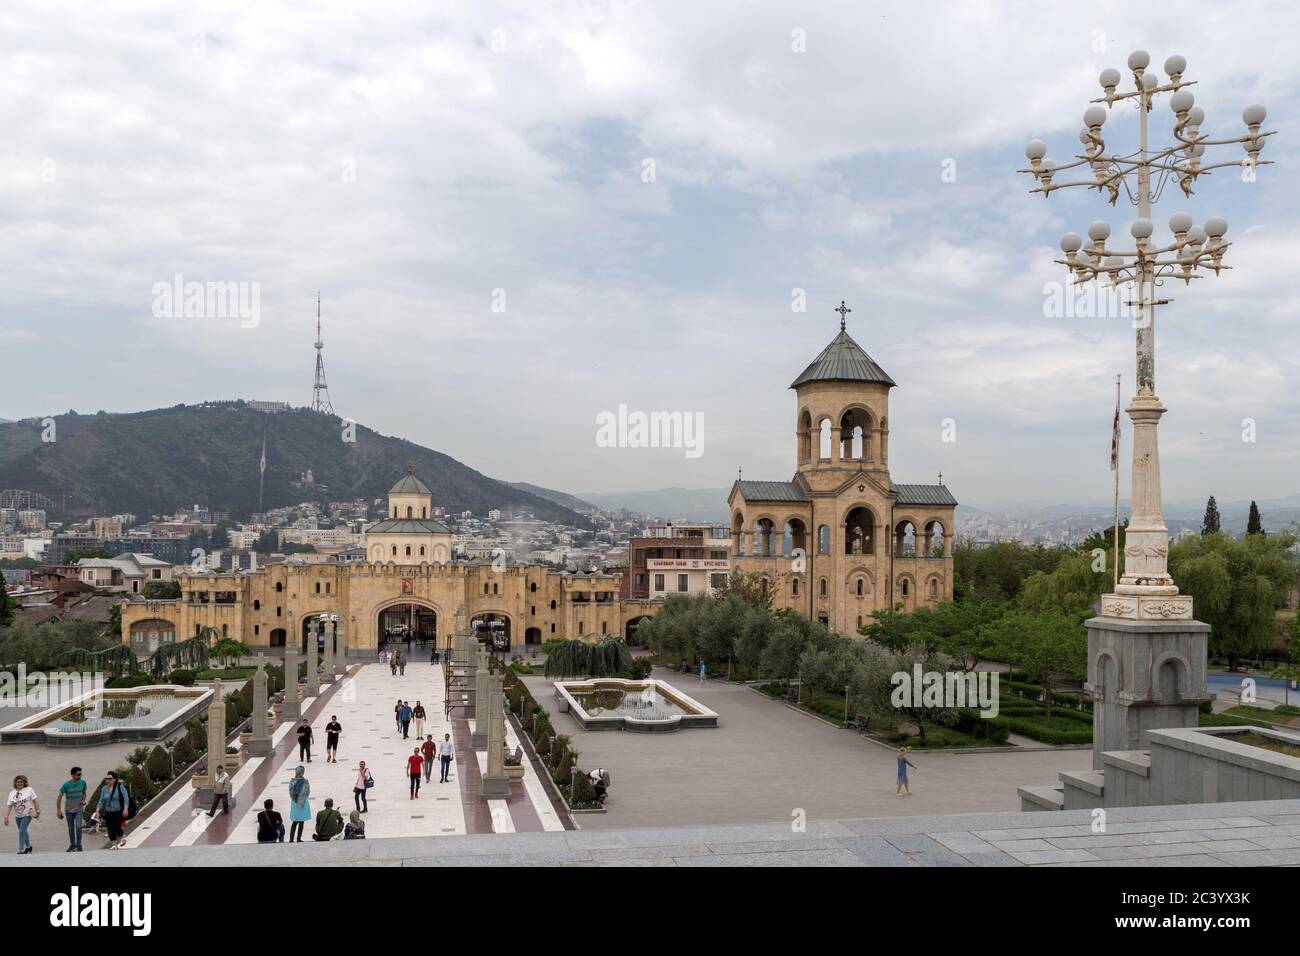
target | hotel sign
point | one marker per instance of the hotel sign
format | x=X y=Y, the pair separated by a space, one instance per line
x=686 y=564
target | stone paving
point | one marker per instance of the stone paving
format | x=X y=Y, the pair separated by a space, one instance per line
x=765 y=759
x=364 y=703
x=1263 y=833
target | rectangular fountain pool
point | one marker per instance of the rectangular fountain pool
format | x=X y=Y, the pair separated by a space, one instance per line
x=645 y=705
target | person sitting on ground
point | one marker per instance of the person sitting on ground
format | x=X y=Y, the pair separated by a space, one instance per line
x=329 y=822
x=270 y=825
x=356 y=828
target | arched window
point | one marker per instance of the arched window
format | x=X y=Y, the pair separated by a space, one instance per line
x=532 y=587
x=408 y=512
x=805 y=437
x=934 y=587
x=394 y=511
x=859 y=587
x=822 y=587
x=494 y=587
x=825 y=439
x=279 y=586
x=855 y=429
x=552 y=608
x=394 y=550
x=257 y=605
x=421 y=550
x=424 y=512
x=859 y=532
x=824 y=540
x=904 y=587
x=794 y=588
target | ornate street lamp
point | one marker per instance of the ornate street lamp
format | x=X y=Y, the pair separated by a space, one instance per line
x=1146 y=590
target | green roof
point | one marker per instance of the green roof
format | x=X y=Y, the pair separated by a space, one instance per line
x=771 y=491
x=408 y=526
x=410 y=485
x=843 y=361
x=924 y=495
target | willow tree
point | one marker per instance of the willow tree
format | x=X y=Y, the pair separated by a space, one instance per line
x=190 y=654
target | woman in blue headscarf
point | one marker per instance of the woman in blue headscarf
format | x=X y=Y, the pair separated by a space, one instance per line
x=299 y=804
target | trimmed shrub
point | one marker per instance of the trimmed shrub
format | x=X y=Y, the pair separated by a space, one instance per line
x=184 y=752
x=182 y=677
x=158 y=765
x=584 y=794
x=640 y=670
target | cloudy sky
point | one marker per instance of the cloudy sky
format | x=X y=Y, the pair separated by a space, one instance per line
x=521 y=215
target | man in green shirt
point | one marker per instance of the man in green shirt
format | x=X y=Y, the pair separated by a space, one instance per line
x=329 y=822
x=71 y=805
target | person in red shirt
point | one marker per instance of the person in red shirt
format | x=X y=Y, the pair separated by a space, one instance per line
x=413 y=764
x=429 y=751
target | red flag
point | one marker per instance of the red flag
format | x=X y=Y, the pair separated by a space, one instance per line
x=1114 y=440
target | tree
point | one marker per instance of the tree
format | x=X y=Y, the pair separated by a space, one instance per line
x=161 y=590
x=1253 y=524
x=749 y=587
x=6 y=605
x=228 y=649
x=1047 y=645
x=911 y=702
x=1211 y=523
x=1237 y=586
x=76 y=556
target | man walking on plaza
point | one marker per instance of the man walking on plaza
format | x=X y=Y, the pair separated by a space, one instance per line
x=413 y=763
x=332 y=731
x=71 y=805
x=419 y=716
x=304 y=740
x=429 y=751
x=397 y=714
x=401 y=662
x=220 y=791
x=445 y=751
x=404 y=719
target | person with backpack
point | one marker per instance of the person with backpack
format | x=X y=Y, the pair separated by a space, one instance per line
x=360 y=789
x=22 y=803
x=270 y=825
x=114 y=808
x=299 y=804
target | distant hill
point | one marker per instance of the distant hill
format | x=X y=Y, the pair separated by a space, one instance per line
x=156 y=461
x=573 y=502
x=670 y=504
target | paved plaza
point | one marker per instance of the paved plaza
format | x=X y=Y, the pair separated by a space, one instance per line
x=1263 y=833
x=764 y=760
x=364 y=703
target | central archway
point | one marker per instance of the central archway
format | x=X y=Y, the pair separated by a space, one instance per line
x=407 y=617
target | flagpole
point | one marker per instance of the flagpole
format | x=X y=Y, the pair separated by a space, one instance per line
x=1115 y=569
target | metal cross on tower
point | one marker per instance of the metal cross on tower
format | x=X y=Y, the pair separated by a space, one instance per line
x=320 y=393
x=843 y=310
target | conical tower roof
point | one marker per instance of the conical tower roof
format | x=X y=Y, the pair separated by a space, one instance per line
x=843 y=361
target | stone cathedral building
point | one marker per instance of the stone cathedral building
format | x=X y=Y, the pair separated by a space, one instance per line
x=841 y=539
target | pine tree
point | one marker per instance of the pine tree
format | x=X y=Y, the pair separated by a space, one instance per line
x=1211 y=523
x=1253 y=524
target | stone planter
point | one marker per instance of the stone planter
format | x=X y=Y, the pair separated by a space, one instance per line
x=515 y=773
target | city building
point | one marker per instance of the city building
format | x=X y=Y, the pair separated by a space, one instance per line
x=840 y=539
x=688 y=558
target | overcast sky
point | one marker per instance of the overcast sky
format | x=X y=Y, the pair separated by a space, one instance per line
x=408 y=160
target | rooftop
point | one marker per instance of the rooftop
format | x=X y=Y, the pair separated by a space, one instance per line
x=843 y=361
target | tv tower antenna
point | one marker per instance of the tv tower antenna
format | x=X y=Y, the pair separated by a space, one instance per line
x=320 y=393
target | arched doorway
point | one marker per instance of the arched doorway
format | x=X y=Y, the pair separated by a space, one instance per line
x=494 y=622
x=407 y=620
x=321 y=625
x=533 y=635
x=278 y=637
x=629 y=632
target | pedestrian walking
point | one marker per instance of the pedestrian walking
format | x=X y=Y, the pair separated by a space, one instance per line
x=446 y=750
x=24 y=807
x=397 y=714
x=356 y=828
x=305 y=738
x=332 y=731
x=220 y=791
x=114 y=808
x=419 y=715
x=270 y=825
x=703 y=673
x=299 y=804
x=413 y=764
x=362 y=787
x=401 y=659
x=404 y=720
x=70 y=805
x=392 y=663
x=903 y=764
x=429 y=751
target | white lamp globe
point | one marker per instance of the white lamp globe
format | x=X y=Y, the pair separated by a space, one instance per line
x=1254 y=114
x=1195 y=116
x=1141 y=228
x=1094 y=117
x=1109 y=78
x=1182 y=101
x=1036 y=149
x=1196 y=235
x=1099 y=231
x=1071 y=242
x=1180 y=222
x=1175 y=65
x=1149 y=81
x=1216 y=226
x=1138 y=60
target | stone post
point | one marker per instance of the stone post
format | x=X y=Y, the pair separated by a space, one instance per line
x=327 y=668
x=495 y=784
x=479 y=736
x=341 y=638
x=292 y=708
x=260 y=743
x=216 y=741
x=471 y=681
x=313 y=665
